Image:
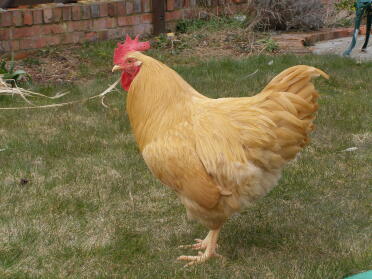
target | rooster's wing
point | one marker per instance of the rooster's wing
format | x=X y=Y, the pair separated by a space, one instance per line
x=173 y=160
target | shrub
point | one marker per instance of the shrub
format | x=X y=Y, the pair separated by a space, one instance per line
x=288 y=14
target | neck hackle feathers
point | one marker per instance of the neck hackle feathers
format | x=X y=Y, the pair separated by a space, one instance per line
x=129 y=45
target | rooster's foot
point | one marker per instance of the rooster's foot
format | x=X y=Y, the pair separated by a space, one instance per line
x=209 y=244
x=202 y=257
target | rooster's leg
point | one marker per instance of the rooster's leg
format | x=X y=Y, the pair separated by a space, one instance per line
x=209 y=244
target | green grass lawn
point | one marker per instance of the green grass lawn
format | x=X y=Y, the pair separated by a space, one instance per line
x=91 y=208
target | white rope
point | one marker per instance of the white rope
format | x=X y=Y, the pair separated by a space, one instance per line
x=6 y=90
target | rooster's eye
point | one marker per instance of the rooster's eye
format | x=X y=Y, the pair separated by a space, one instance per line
x=130 y=60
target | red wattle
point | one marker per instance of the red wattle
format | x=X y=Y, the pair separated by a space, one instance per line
x=126 y=80
x=128 y=77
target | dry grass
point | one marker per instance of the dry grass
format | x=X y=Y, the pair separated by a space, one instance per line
x=91 y=209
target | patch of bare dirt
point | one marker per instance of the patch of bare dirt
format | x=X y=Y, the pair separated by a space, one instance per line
x=59 y=64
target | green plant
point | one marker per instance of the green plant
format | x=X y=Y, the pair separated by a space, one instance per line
x=9 y=74
x=160 y=41
x=186 y=25
x=270 y=44
x=348 y=5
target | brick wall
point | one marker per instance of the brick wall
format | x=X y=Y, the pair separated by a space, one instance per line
x=29 y=29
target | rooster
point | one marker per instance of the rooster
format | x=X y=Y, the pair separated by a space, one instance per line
x=218 y=155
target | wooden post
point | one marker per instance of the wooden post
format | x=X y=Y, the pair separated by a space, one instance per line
x=158 y=16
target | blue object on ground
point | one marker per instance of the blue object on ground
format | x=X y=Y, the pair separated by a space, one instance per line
x=364 y=275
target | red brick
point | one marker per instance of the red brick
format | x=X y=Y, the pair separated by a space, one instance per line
x=27 y=17
x=91 y=36
x=142 y=28
x=175 y=15
x=71 y=26
x=170 y=5
x=14 y=45
x=73 y=37
x=27 y=44
x=57 y=14
x=121 y=9
x=48 y=15
x=110 y=22
x=52 y=29
x=103 y=10
x=137 y=6
x=99 y=24
x=94 y=10
x=37 y=16
x=76 y=13
x=53 y=40
x=6 y=18
x=81 y=25
x=5 y=46
x=17 y=18
x=129 y=20
x=112 y=9
x=146 y=18
x=40 y=42
x=24 y=32
x=85 y=12
x=129 y=6
x=146 y=6
x=66 y=13
x=4 y=34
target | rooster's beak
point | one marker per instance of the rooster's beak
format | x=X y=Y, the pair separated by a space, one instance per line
x=116 y=68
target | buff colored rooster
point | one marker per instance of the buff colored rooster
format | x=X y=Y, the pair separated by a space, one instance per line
x=219 y=155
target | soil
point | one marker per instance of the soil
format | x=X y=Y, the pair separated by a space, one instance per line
x=61 y=63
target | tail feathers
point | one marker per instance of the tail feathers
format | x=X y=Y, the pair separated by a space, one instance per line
x=293 y=91
x=293 y=75
x=291 y=101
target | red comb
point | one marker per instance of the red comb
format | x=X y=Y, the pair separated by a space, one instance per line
x=128 y=46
